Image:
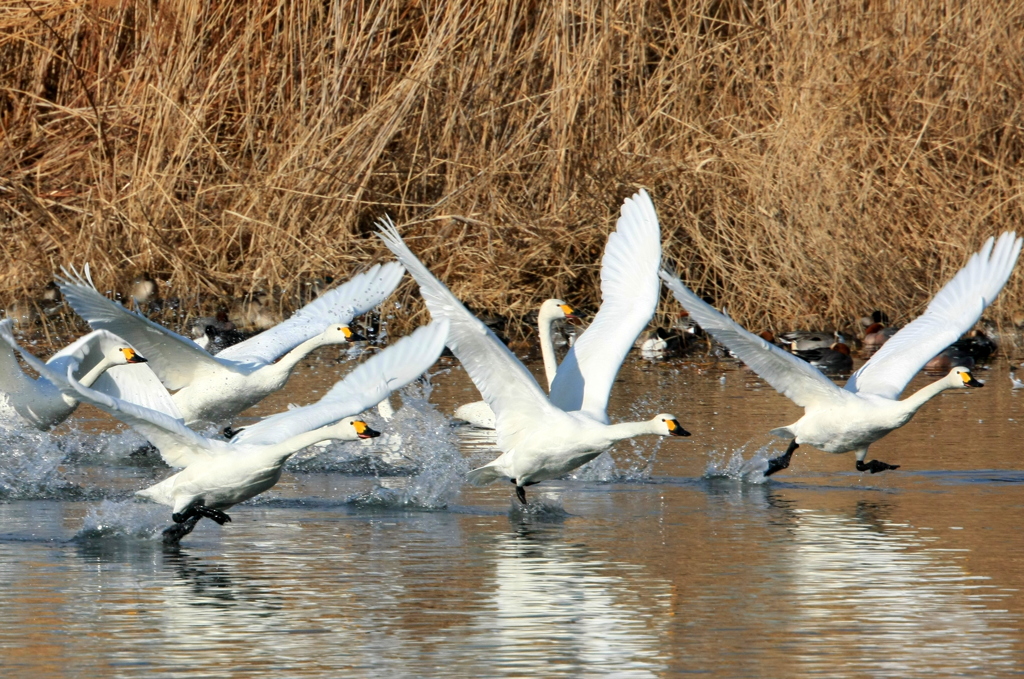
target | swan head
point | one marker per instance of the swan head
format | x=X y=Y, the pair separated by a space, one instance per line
x=556 y=308
x=125 y=355
x=360 y=430
x=960 y=377
x=340 y=333
x=667 y=425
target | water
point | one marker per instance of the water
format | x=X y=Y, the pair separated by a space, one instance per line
x=668 y=557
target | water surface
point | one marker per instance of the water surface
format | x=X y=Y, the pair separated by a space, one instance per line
x=660 y=560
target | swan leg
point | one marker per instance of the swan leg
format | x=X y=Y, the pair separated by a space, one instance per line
x=521 y=493
x=173 y=534
x=198 y=508
x=874 y=466
x=777 y=464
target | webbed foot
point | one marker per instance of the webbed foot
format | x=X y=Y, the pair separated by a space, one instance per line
x=172 y=535
x=874 y=466
x=777 y=464
x=215 y=514
x=521 y=494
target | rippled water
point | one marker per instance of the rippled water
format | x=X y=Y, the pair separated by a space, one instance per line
x=668 y=557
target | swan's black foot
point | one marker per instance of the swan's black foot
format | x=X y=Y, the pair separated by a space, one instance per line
x=173 y=534
x=777 y=464
x=875 y=466
x=520 y=492
x=215 y=514
x=144 y=451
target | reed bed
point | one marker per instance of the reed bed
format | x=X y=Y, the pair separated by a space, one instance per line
x=810 y=161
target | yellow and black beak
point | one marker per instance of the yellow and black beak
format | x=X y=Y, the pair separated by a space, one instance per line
x=352 y=336
x=570 y=313
x=363 y=430
x=131 y=356
x=969 y=380
x=674 y=428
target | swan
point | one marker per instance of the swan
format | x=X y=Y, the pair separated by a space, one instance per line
x=214 y=388
x=478 y=413
x=866 y=409
x=43 y=403
x=545 y=437
x=218 y=474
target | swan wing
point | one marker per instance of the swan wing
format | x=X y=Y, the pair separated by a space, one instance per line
x=951 y=313
x=504 y=382
x=13 y=379
x=179 y=446
x=340 y=305
x=629 y=296
x=368 y=384
x=793 y=377
x=175 y=359
x=134 y=383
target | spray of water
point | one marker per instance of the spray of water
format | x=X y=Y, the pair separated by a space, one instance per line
x=129 y=519
x=737 y=468
x=422 y=434
x=31 y=464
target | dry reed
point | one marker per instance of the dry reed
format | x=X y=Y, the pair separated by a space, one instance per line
x=810 y=161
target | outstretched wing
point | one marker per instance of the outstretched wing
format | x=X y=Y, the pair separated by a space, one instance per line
x=953 y=311
x=504 y=382
x=340 y=305
x=629 y=296
x=175 y=359
x=793 y=377
x=369 y=384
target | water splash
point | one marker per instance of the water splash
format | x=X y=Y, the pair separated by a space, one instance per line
x=424 y=436
x=30 y=464
x=128 y=519
x=739 y=469
x=632 y=462
x=542 y=508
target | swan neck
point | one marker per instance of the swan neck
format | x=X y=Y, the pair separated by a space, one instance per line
x=288 y=362
x=625 y=430
x=94 y=374
x=547 y=347
x=285 y=449
x=926 y=393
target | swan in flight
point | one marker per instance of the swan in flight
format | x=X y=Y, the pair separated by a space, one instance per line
x=478 y=413
x=95 y=358
x=214 y=388
x=218 y=474
x=866 y=409
x=541 y=437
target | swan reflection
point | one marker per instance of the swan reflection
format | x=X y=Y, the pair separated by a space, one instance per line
x=880 y=598
x=559 y=608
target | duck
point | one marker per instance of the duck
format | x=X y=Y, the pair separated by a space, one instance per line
x=876 y=334
x=478 y=414
x=831 y=360
x=659 y=344
x=211 y=389
x=96 y=357
x=806 y=340
x=544 y=437
x=216 y=474
x=216 y=333
x=840 y=420
x=946 y=359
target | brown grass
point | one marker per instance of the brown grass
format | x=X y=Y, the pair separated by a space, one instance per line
x=810 y=161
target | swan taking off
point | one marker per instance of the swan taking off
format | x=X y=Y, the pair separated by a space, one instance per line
x=95 y=358
x=544 y=438
x=478 y=413
x=214 y=388
x=866 y=409
x=219 y=474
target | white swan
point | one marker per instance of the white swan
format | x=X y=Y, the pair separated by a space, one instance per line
x=544 y=438
x=866 y=409
x=95 y=358
x=214 y=388
x=478 y=413
x=219 y=474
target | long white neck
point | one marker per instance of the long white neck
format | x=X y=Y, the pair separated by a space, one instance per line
x=285 y=449
x=287 y=363
x=625 y=430
x=94 y=374
x=545 y=319
x=913 y=403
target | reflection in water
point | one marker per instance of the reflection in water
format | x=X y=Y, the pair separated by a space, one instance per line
x=559 y=609
x=879 y=598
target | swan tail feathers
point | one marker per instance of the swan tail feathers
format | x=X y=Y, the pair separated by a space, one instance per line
x=783 y=433
x=481 y=476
